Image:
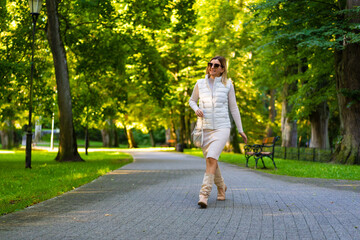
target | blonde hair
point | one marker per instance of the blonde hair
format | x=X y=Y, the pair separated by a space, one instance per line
x=222 y=61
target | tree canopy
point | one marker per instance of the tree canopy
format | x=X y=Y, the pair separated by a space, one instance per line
x=134 y=63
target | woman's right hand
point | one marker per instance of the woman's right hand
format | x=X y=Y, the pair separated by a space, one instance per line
x=243 y=135
x=199 y=113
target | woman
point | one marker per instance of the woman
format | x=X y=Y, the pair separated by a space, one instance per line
x=216 y=97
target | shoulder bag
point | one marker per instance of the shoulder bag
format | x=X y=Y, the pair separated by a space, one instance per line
x=198 y=135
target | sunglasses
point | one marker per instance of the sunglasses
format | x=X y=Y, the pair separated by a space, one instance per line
x=216 y=65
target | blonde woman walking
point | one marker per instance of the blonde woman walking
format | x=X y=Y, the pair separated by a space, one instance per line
x=216 y=96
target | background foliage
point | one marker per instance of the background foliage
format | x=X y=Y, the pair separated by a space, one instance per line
x=133 y=63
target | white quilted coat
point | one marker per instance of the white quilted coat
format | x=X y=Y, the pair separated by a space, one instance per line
x=215 y=104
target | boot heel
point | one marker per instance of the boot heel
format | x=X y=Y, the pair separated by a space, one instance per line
x=221 y=193
x=203 y=201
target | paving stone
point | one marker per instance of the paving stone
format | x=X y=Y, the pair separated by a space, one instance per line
x=155 y=197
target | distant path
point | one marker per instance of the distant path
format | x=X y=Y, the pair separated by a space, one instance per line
x=156 y=198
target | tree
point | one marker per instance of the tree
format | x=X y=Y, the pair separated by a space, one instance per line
x=178 y=57
x=347 y=69
x=331 y=26
x=315 y=97
x=221 y=32
x=68 y=145
x=15 y=42
x=280 y=23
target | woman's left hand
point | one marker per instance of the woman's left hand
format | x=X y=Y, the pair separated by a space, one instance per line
x=243 y=135
x=199 y=113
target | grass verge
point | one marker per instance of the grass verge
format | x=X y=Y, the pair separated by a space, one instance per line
x=20 y=187
x=291 y=167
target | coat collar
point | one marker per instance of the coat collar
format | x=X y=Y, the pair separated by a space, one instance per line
x=217 y=79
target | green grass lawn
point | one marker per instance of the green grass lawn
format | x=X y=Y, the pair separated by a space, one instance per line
x=20 y=187
x=81 y=144
x=291 y=167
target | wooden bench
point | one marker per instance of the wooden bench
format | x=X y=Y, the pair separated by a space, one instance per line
x=169 y=143
x=258 y=151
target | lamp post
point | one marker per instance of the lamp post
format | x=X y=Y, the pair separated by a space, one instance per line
x=35 y=6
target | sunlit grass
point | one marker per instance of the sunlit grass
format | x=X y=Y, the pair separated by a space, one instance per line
x=95 y=145
x=20 y=187
x=80 y=143
x=291 y=167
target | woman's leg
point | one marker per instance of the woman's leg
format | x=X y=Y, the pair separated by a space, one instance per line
x=208 y=182
x=219 y=182
x=211 y=165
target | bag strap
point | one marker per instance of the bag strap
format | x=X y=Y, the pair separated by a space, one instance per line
x=202 y=122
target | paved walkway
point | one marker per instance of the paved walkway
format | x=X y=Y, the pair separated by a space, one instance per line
x=156 y=198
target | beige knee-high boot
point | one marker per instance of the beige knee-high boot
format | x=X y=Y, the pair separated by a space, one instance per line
x=221 y=187
x=205 y=190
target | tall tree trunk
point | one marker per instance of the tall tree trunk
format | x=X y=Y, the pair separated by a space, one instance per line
x=116 y=137
x=67 y=146
x=105 y=134
x=234 y=140
x=319 y=120
x=272 y=114
x=109 y=134
x=347 y=69
x=152 y=139
x=168 y=134
x=288 y=126
x=7 y=135
x=38 y=128
x=182 y=128
x=112 y=133
x=131 y=140
x=173 y=131
x=188 y=129
x=125 y=133
x=4 y=139
x=87 y=141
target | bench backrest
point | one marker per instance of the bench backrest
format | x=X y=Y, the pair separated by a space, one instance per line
x=270 y=141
